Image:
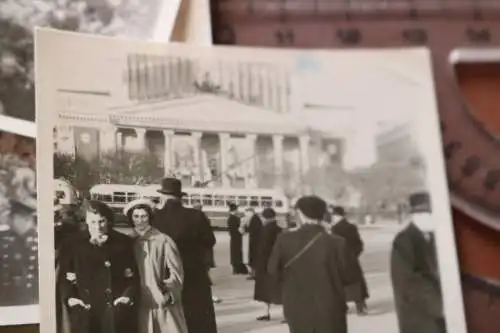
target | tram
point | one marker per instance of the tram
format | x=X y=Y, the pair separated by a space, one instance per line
x=214 y=201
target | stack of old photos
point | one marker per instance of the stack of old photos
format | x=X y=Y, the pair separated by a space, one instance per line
x=222 y=189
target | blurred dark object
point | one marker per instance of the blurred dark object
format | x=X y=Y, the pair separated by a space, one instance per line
x=479 y=247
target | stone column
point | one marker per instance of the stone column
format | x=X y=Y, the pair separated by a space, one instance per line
x=224 y=140
x=250 y=176
x=168 y=159
x=278 y=157
x=108 y=139
x=304 y=141
x=197 y=155
x=140 y=143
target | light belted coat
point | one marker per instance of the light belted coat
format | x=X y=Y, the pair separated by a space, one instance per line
x=161 y=274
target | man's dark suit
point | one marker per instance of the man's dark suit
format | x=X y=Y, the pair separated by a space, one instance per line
x=192 y=233
x=416 y=283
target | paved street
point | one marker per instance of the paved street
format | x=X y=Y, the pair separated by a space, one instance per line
x=237 y=312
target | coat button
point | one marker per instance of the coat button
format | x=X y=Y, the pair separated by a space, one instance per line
x=109 y=304
x=107 y=291
x=107 y=263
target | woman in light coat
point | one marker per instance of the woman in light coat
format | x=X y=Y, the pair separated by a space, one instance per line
x=161 y=273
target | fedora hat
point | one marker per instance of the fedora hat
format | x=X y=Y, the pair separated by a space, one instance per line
x=172 y=186
x=420 y=202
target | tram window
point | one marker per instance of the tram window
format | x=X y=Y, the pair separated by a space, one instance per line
x=94 y=196
x=106 y=197
x=195 y=199
x=207 y=200
x=254 y=201
x=60 y=195
x=230 y=199
x=219 y=200
x=242 y=201
x=267 y=202
x=185 y=201
x=131 y=196
x=278 y=203
x=120 y=197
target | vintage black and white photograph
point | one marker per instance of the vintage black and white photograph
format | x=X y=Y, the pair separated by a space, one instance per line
x=18 y=224
x=142 y=19
x=219 y=189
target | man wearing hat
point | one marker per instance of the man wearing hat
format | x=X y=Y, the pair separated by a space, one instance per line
x=192 y=233
x=340 y=226
x=311 y=265
x=19 y=256
x=414 y=272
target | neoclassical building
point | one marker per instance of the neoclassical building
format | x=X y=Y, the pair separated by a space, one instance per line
x=230 y=125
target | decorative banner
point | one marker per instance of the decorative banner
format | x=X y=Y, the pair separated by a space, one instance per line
x=240 y=156
x=86 y=143
x=185 y=163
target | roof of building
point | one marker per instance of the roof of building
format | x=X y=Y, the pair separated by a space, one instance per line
x=207 y=113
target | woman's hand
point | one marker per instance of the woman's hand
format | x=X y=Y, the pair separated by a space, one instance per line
x=122 y=300
x=72 y=302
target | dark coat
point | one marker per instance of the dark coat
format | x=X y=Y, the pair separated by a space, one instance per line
x=236 y=245
x=358 y=291
x=19 y=263
x=98 y=275
x=415 y=280
x=194 y=237
x=254 y=229
x=313 y=285
x=267 y=289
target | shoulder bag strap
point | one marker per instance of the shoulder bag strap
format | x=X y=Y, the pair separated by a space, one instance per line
x=304 y=250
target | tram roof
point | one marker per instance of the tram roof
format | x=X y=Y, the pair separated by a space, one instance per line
x=223 y=191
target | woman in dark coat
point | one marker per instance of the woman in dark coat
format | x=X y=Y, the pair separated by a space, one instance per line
x=267 y=289
x=235 y=241
x=357 y=292
x=254 y=229
x=98 y=276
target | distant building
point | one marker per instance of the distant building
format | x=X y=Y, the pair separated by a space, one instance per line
x=227 y=128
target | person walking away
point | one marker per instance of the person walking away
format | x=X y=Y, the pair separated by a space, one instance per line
x=414 y=272
x=311 y=265
x=98 y=276
x=161 y=273
x=194 y=237
x=357 y=292
x=254 y=229
x=235 y=241
x=267 y=290
x=210 y=256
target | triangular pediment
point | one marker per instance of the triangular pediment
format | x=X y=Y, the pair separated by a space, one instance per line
x=207 y=113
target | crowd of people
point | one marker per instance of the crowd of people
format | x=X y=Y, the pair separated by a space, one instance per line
x=158 y=279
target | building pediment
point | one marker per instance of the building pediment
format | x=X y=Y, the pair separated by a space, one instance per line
x=206 y=113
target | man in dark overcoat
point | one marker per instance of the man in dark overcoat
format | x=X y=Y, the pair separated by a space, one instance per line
x=253 y=226
x=267 y=289
x=194 y=237
x=98 y=276
x=340 y=226
x=19 y=256
x=235 y=241
x=414 y=272
x=311 y=265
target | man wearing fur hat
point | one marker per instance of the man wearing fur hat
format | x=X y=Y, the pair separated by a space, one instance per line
x=311 y=265
x=191 y=231
x=414 y=272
